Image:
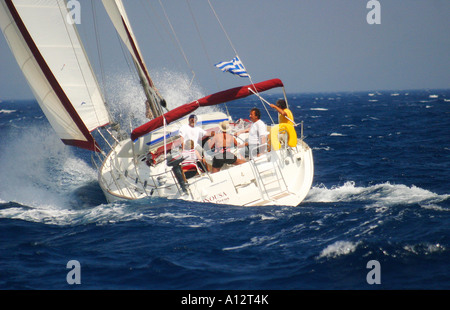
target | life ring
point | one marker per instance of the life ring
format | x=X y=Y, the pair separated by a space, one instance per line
x=283 y=128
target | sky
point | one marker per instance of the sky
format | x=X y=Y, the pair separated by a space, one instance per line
x=311 y=45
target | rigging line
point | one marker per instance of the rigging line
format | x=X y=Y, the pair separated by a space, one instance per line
x=228 y=37
x=153 y=15
x=127 y=57
x=268 y=103
x=223 y=28
x=211 y=65
x=263 y=101
x=201 y=40
x=234 y=49
x=178 y=42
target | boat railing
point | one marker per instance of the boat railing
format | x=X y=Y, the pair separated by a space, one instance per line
x=116 y=173
x=159 y=182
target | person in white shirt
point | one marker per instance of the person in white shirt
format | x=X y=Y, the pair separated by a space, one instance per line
x=191 y=132
x=257 y=135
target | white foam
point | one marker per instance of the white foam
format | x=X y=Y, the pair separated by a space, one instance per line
x=325 y=148
x=41 y=174
x=127 y=100
x=424 y=248
x=7 y=111
x=338 y=248
x=177 y=88
x=255 y=241
x=102 y=214
x=379 y=196
x=39 y=171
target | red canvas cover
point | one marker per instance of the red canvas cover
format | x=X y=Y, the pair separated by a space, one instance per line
x=217 y=98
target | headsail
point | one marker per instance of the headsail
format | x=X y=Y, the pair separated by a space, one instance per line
x=217 y=98
x=52 y=58
x=119 y=18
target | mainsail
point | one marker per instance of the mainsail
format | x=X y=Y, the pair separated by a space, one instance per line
x=50 y=54
x=119 y=18
x=217 y=98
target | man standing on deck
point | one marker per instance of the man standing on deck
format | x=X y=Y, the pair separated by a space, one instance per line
x=191 y=132
x=257 y=135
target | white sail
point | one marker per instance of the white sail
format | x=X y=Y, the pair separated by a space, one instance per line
x=119 y=18
x=49 y=52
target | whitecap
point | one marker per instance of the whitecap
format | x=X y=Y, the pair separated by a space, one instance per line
x=424 y=248
x=7 y=111
x=380 y=196
x=338 y=248
x=254 y=241
x=325 y=148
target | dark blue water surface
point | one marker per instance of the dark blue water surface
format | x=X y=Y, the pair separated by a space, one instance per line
x=381 y=192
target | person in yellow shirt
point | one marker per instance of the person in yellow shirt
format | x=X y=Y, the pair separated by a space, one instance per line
x=284 y=114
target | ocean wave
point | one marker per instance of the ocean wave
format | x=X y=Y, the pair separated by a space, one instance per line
x=380 y=195
x=325 y=148
x=425 y=248
x=339 y=248
x=254 y=241
x=51 y=215
x=4 y=111
x=39 y=171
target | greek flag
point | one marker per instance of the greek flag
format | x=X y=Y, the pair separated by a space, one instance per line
x=234 y=66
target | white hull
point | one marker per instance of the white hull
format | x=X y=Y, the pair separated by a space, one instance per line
x=282 y=177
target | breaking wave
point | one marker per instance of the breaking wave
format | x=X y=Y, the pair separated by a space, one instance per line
x=380 y=195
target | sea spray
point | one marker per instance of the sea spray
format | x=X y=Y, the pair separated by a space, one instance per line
x=379 y=195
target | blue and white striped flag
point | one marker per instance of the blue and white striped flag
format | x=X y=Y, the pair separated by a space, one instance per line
x=234 y=66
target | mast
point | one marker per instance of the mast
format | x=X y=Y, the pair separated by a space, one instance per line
x=119 y=18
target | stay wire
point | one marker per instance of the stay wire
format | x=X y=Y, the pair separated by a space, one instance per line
x=237 y=55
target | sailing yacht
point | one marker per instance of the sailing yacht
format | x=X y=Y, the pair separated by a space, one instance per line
x=148 y=162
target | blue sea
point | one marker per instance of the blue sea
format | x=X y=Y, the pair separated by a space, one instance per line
x=377 y=216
